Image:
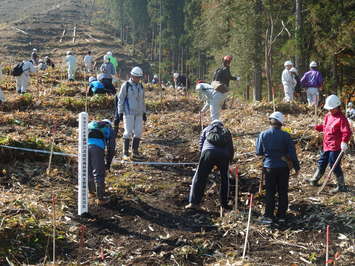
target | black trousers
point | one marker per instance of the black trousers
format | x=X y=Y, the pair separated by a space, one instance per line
x=276 y=180
x=210 y=158
x=108 y=86
x=96 y=180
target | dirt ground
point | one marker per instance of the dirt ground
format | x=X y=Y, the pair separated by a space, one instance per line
x=145 y=222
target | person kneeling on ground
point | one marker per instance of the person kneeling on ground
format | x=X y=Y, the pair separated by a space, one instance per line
x=101 y=136
x=279 y=152
x=216 y=146
x=95 y=87
x=130 y=107
x=214 y=98
x=336 y=134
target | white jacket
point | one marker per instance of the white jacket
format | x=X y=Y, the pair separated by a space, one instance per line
x=131 y=99
x=288 y=79
x=28 y=68
x=87 y=59
x=70 y=60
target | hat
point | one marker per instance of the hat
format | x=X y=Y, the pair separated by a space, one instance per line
x=277 y=116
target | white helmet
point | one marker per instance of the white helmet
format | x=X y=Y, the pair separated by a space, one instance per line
x=288 y=63
x=350 y=104
x=107 y=121
x=34 y=50
x=294 y=70
x=278 y=116
x=313 y=64
x=137 y=72
x=216 y=121
x=109 y=53
x=106 y=58
x=68 y=52
x=155 y=76
x=332 y=102
x=91 y=79
x=176 y=75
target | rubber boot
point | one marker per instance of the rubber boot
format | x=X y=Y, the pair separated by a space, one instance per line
x=340 y=185
x=135 y=146
x=317 y=175
x=125 y=149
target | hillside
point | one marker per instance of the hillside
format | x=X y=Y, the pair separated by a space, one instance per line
x=41 y=24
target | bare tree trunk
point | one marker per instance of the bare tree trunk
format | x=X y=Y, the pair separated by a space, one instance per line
x=257 y=48
x=300 y=60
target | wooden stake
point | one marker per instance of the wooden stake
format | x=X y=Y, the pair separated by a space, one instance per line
x=273 y=100
x=54 y=199
x=248 y=226
x=201 y=125
x=327 y=245
x=330 y=172
x=236 y=189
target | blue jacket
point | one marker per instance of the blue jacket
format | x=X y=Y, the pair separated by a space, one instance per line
x=97 y=86
x=205 y=145
x=108 y=141
x=274 y=144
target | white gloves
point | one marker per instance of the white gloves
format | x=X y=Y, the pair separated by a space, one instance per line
x=238 y=78
x=343 y=146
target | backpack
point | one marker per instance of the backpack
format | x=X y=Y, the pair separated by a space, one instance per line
x=216 y=73
x=218 y=136
x=17 y=70
x=97 y=129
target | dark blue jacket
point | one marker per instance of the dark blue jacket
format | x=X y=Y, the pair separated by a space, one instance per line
x=274 y=144
x=205 y=145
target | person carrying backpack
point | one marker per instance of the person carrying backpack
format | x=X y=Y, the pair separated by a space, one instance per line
x=22 y=74
x=278 y=150
x=101 y=137
x=214 y=99
x=130 y=108
x=107 y=72
x=216 y=147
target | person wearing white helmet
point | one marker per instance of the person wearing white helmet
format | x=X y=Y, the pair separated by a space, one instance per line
x=279 y=157
x=181 y=82
x=288 y=81
x=34 y=57
x=101 y=138
x=155 y=79
x=23 y=79
x=113 y=60
x=313 y=82
x=336 y=134
x=95 y=87
x=70 y=61
x=213 y=98
x=350 y=111
x=88 y=60
x=106 y=77
x=216 y=148
x=130 y=107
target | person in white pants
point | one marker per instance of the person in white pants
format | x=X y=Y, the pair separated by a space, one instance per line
x=214 y=99
x=22 y=80
x=88 y=62
x=288 y=81
x=313 y=81
x=70 y=60
x=130 y=107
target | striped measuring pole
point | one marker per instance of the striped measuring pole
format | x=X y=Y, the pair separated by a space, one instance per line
x=83 y=164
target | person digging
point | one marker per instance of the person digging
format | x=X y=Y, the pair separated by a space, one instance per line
x=130 y=108
x=336 y=134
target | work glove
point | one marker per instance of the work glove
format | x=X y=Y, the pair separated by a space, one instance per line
x=343 y=146
x=144 y=117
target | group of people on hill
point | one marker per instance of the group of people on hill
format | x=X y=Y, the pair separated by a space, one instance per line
x=216 y=143
x=312 y=81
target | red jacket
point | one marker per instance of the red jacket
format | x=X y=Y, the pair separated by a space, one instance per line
x=336 y=129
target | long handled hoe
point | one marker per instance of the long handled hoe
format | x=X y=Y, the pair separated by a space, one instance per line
x=330 y=172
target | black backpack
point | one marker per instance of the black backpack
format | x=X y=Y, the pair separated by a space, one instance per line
x=17 y=70
x=217 y=73
x=218 y=136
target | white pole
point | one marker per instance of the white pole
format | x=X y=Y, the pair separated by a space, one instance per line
x=83 y=164
x=248 y=225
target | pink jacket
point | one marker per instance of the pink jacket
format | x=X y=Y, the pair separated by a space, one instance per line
x=336 y=129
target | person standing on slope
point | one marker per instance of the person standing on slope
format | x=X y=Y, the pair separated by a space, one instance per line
x=130 y=108
x=23 y=79
x=313 y=82
x=70 y=61
x=88 y=62
x=289 y=81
